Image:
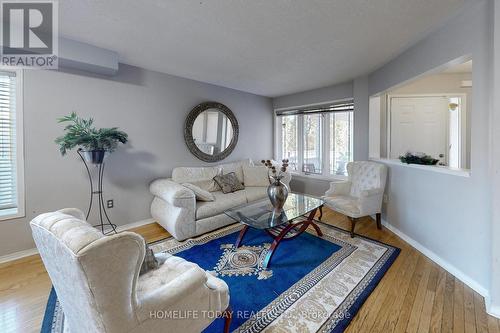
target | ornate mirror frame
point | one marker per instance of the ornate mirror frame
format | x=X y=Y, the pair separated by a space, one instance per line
x=188 y=131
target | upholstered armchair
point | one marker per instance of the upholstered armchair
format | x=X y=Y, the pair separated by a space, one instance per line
x=97 y=281
x=361 y=194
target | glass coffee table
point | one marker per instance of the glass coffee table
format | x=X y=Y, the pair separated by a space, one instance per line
x=280 y=225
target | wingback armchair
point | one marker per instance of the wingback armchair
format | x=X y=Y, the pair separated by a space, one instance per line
x=97 y=281
x=361 y=194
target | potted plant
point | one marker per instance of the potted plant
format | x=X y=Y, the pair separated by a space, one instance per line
x=418 y=158
x=92 y=142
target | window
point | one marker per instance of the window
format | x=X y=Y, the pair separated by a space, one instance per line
x=341 y=129
x=11 y=154
x=317 y=141
x=289 y=144
x=312 y=152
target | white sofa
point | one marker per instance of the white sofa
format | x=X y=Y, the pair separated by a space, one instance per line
x=175 y=207
x=98 y=285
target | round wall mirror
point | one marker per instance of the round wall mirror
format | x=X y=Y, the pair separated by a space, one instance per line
x=211 y=131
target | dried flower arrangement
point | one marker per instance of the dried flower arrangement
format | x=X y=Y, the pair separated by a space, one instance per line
x=274 y=174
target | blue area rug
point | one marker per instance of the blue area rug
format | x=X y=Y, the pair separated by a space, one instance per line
x=313 y=284
x=291 y=262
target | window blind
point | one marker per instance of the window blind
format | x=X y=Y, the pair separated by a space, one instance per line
x=331 y=107
x=8 y=177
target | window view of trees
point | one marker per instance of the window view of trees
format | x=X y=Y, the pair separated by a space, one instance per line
x=302 y=142
x=340 y=142
x=313 y=160
x=289 y=144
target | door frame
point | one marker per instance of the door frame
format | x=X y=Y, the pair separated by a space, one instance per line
x=461 y=118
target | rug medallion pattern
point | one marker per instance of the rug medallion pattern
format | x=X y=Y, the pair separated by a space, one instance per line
x=245 y=260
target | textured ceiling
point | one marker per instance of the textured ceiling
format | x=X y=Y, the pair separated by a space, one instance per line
x=267 y=47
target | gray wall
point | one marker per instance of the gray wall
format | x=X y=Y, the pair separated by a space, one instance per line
x=448 y=215
x=361 y=119
x=151 y=107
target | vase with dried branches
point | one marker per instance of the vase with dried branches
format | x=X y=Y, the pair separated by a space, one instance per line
x=277 y=191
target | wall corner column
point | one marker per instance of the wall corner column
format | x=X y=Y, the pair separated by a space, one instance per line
x=493 y=302
x=361 y=118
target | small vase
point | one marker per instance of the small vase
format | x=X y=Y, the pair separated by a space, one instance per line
x=94 y=156
x=277 y=193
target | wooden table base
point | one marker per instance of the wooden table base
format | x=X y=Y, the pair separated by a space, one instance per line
x=298 y=228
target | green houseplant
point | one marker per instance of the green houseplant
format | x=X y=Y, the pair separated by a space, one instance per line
x=418 y=158
x=92 y=142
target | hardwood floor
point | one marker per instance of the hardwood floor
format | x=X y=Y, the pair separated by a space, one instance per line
x=415 y=295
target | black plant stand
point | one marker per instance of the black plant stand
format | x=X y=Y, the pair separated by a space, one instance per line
x=100 y=199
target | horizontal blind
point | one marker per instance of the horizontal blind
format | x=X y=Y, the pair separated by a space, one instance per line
x=331 y=107
x=8 y=186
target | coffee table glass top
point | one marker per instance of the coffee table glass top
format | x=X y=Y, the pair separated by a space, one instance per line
x=261 y=215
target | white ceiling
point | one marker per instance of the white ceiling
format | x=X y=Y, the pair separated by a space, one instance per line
x=267 y=47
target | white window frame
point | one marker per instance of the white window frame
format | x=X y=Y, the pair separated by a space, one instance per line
x=19 y=210
x=326 y=175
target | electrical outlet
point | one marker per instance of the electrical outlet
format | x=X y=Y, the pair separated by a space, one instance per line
x=110 y=203
x=386 y=198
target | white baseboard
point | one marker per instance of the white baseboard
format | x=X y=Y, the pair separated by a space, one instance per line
x=440 y=261
x=493 y=310
x=135 y=224
x=30 y=252
x=18 y=255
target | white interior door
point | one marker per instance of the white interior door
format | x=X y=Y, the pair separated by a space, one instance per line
x=419 y=124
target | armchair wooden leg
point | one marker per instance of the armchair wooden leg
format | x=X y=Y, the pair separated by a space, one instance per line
x=353 y=224
x=379 y=220
x=320 y=212
x=228 y=316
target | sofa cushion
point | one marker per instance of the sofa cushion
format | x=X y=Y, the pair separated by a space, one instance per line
x=209 y=185
x=200 y=193
x=236 y=167
x=200 y=176
x=255 y=193
x=256 y=175
x=203 y=176
x=222 y=202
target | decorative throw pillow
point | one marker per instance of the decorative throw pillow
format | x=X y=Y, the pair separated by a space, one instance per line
x=229 y=183
x=150 y=262
x=200 y=194
x=256 y=175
